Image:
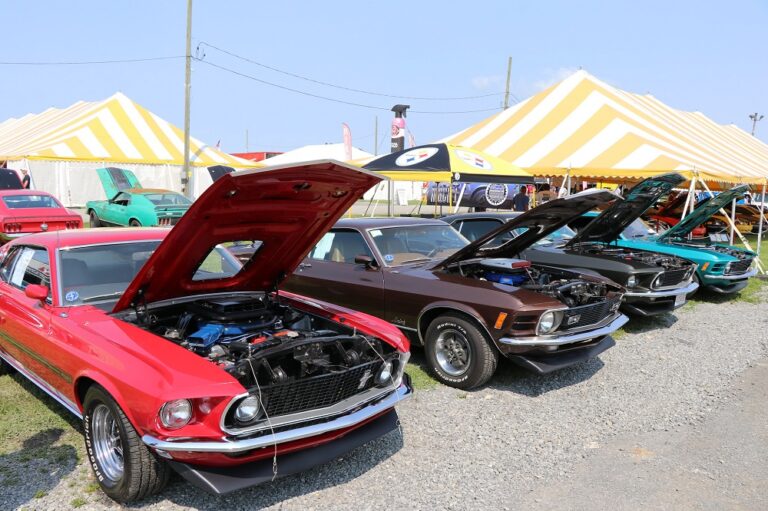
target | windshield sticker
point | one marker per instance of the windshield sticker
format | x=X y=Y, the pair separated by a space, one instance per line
x=375 y=233
x=72 y=296
x=389 y=258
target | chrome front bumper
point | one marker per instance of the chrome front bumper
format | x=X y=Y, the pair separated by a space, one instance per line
x=225 y=446
x=559 y=340
x=746 y=275
x=661 y=293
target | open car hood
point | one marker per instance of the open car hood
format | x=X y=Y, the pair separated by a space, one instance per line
x=288 y=208
x=539 y=222
x=114 y=180
x=610 y=223
x=704 y=212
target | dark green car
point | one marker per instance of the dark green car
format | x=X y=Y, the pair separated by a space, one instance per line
x=131 y=205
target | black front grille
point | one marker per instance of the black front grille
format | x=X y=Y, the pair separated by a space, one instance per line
x=671 y=278
x=318 y=391
x=585 y=315
x=740 y=266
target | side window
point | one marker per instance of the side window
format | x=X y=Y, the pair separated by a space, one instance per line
x=25 y=266
x=341 y=246
x=6 y=267
x=474 y=229
x=122 y=199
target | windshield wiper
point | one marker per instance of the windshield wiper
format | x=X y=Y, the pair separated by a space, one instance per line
x=416 y=260
x=96 y=298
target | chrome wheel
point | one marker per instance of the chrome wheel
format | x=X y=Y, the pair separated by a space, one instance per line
x=453 y=352
x=107 y=445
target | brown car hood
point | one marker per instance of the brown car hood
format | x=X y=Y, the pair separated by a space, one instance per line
x=288 y=208
x=538 y=222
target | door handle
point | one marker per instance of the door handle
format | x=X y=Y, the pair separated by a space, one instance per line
x=304 y=265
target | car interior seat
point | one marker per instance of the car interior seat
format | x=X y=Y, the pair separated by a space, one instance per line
x=346 y=246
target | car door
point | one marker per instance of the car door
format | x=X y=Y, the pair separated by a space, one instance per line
x=330 y=273
x=25 y=322
x=116 y=209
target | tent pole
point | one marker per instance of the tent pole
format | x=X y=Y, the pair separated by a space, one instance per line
x=691 y=189
x=461 y=195
x=733 y=219
x=762 y=217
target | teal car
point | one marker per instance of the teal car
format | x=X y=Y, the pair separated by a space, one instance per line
x=720 y=267
x=131 y=205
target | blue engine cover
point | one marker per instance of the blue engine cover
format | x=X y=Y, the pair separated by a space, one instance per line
x=210 y=333
x=506 y=278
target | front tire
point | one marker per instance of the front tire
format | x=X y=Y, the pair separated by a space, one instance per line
x=124 y=467
x=95 y=222
x=459 y=353
x=4 y=367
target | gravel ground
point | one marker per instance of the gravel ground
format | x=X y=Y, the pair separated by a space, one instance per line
x=490 y=448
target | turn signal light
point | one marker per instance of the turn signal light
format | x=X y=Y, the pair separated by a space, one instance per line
x=705 y=266
x=500 y=320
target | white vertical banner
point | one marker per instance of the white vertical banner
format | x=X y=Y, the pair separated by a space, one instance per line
x=347 y=134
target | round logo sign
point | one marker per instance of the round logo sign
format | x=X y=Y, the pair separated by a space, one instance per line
x=496 y=194
x=474 y=160
x=415 y=156
x=72 y=296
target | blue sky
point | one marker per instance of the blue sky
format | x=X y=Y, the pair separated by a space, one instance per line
x=694 y=55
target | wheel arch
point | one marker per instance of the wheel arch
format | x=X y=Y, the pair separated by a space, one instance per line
x=434 y=310
x=86 y=380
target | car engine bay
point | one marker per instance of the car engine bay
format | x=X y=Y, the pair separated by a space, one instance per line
x=743 y=255
x=563 y=285
x=667 y=262
x=263 y=342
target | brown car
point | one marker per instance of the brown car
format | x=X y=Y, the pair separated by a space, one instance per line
x=466 y=303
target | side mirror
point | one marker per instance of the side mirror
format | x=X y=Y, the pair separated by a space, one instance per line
x=36 y=292
x=365 y=260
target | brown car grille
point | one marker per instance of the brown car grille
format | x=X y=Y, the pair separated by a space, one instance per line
x=585 y=315
x=318 y=391
x=737 y=267
x=671 y=278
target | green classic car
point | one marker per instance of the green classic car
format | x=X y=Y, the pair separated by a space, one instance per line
x=130 y=204
x=720 y=267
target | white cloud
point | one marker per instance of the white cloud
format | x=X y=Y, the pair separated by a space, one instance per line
x=485 y=82
x=552 y=76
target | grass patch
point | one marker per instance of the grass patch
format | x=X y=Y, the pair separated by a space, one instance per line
x=420 y=378
x=48 y=431
x=39 y=494
x=91 y=487
x=78 y=502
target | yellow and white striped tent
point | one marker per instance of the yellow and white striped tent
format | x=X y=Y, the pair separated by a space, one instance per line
x=60 y=146
x=586 y=128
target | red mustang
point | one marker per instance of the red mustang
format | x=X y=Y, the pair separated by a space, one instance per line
x=178 y=356
x=29 y=211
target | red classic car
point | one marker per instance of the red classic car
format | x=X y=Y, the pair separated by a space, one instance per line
x=177 y=356
x=27 y=211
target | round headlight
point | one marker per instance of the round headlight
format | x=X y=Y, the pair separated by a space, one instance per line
x=175 y=414
x=248 y=409
x=547 y=322
x=384 y=375
x=631 y=281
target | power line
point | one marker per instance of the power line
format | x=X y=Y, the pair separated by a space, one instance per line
x=88 y=62
x=342 y=87
x=326 y=98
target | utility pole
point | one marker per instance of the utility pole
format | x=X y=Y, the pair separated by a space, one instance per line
x=246 y=141
x=509 y=75
x=755 y=119
x=187 y=179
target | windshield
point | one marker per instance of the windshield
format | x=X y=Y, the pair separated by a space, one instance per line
x=167 y=199
x=401 y=245
x=562 y=235
x=637 y=229
x=99 y=274
x=30 y=201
